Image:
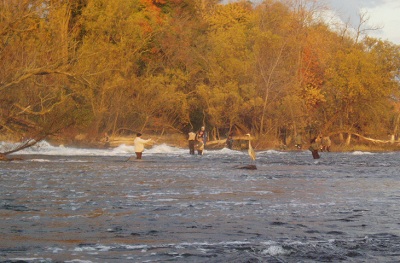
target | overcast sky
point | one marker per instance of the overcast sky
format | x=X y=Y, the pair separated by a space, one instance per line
x=382 y=13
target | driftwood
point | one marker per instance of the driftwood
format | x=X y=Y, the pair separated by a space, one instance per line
x=4 y=158
x=26 y=144
x=371 y=139
x=247 y=167
x=216 y=142
x=365 y=137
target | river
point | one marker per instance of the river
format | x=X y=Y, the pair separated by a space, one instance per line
x=63 y=204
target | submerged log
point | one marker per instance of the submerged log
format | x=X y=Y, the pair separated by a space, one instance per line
x=4 y=158
x=247 y=167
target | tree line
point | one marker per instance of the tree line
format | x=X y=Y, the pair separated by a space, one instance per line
x=121 y=66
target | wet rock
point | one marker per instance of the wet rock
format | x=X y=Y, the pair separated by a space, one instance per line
x=18 y=208
x=278 y=223
x=152 y=233
x=248 y=167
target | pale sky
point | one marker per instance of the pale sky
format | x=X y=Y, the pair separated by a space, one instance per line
x=382 y=13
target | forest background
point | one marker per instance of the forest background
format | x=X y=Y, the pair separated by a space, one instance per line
x=76 y=69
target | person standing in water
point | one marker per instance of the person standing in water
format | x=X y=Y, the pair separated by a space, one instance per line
x=192 y=141
x=229 y=141
x=326 y=144
x=106 y=140
x=314 y=147
x=139 y=145
x=299 y=141
x=201 y=137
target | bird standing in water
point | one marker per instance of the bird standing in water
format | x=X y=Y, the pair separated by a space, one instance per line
x=251 y=151
x=252 y=155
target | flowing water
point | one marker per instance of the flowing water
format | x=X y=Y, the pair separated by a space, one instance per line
x=84 y=205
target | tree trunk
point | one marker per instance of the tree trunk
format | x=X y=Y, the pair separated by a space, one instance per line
x=268 y=84
x=348 y=139
x=26 y=144
x=396 y=125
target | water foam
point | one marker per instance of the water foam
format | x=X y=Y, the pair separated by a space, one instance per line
x=361 y=153
x=164 y=148
x=45 y=148
x=274 y=251
x=123 y=148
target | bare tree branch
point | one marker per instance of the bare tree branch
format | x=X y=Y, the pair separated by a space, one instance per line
x=34 y=72
x=363 y=26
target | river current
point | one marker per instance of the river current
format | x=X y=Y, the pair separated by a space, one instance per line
x=63 y=204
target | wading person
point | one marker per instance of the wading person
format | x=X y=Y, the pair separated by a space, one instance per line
x=229 y=141
x=314 y=147
x=201 y=138
x=192 y=141
x=299 y=141
x=326 y=144
x=139 y=145
x=106 y=141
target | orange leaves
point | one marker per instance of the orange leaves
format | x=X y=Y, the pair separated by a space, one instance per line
x=153 y=5
x=239 y=63
x=312 y=79
x=312 y=73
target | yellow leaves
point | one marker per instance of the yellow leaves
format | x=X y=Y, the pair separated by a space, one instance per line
x=230 y=38
x=355 y=76
x=159 y=95
x=167 y=60
x=228 y=16
x=178 y=78
x=116 y=20
x=313 y=96
x=223 y=103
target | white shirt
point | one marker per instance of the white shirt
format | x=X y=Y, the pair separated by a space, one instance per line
x=139 y=144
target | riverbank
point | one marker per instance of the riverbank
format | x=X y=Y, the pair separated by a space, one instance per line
x=240 y=143
x=260 y=144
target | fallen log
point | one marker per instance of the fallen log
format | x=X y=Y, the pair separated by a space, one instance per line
x=4 y=158
x=371 y=139
x=247 y=167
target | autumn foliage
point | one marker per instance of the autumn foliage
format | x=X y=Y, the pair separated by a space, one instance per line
x=95 y=66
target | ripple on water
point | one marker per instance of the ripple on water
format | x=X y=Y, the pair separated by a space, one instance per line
x=190 y=208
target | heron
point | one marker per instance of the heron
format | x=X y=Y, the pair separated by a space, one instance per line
x=251 y=151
